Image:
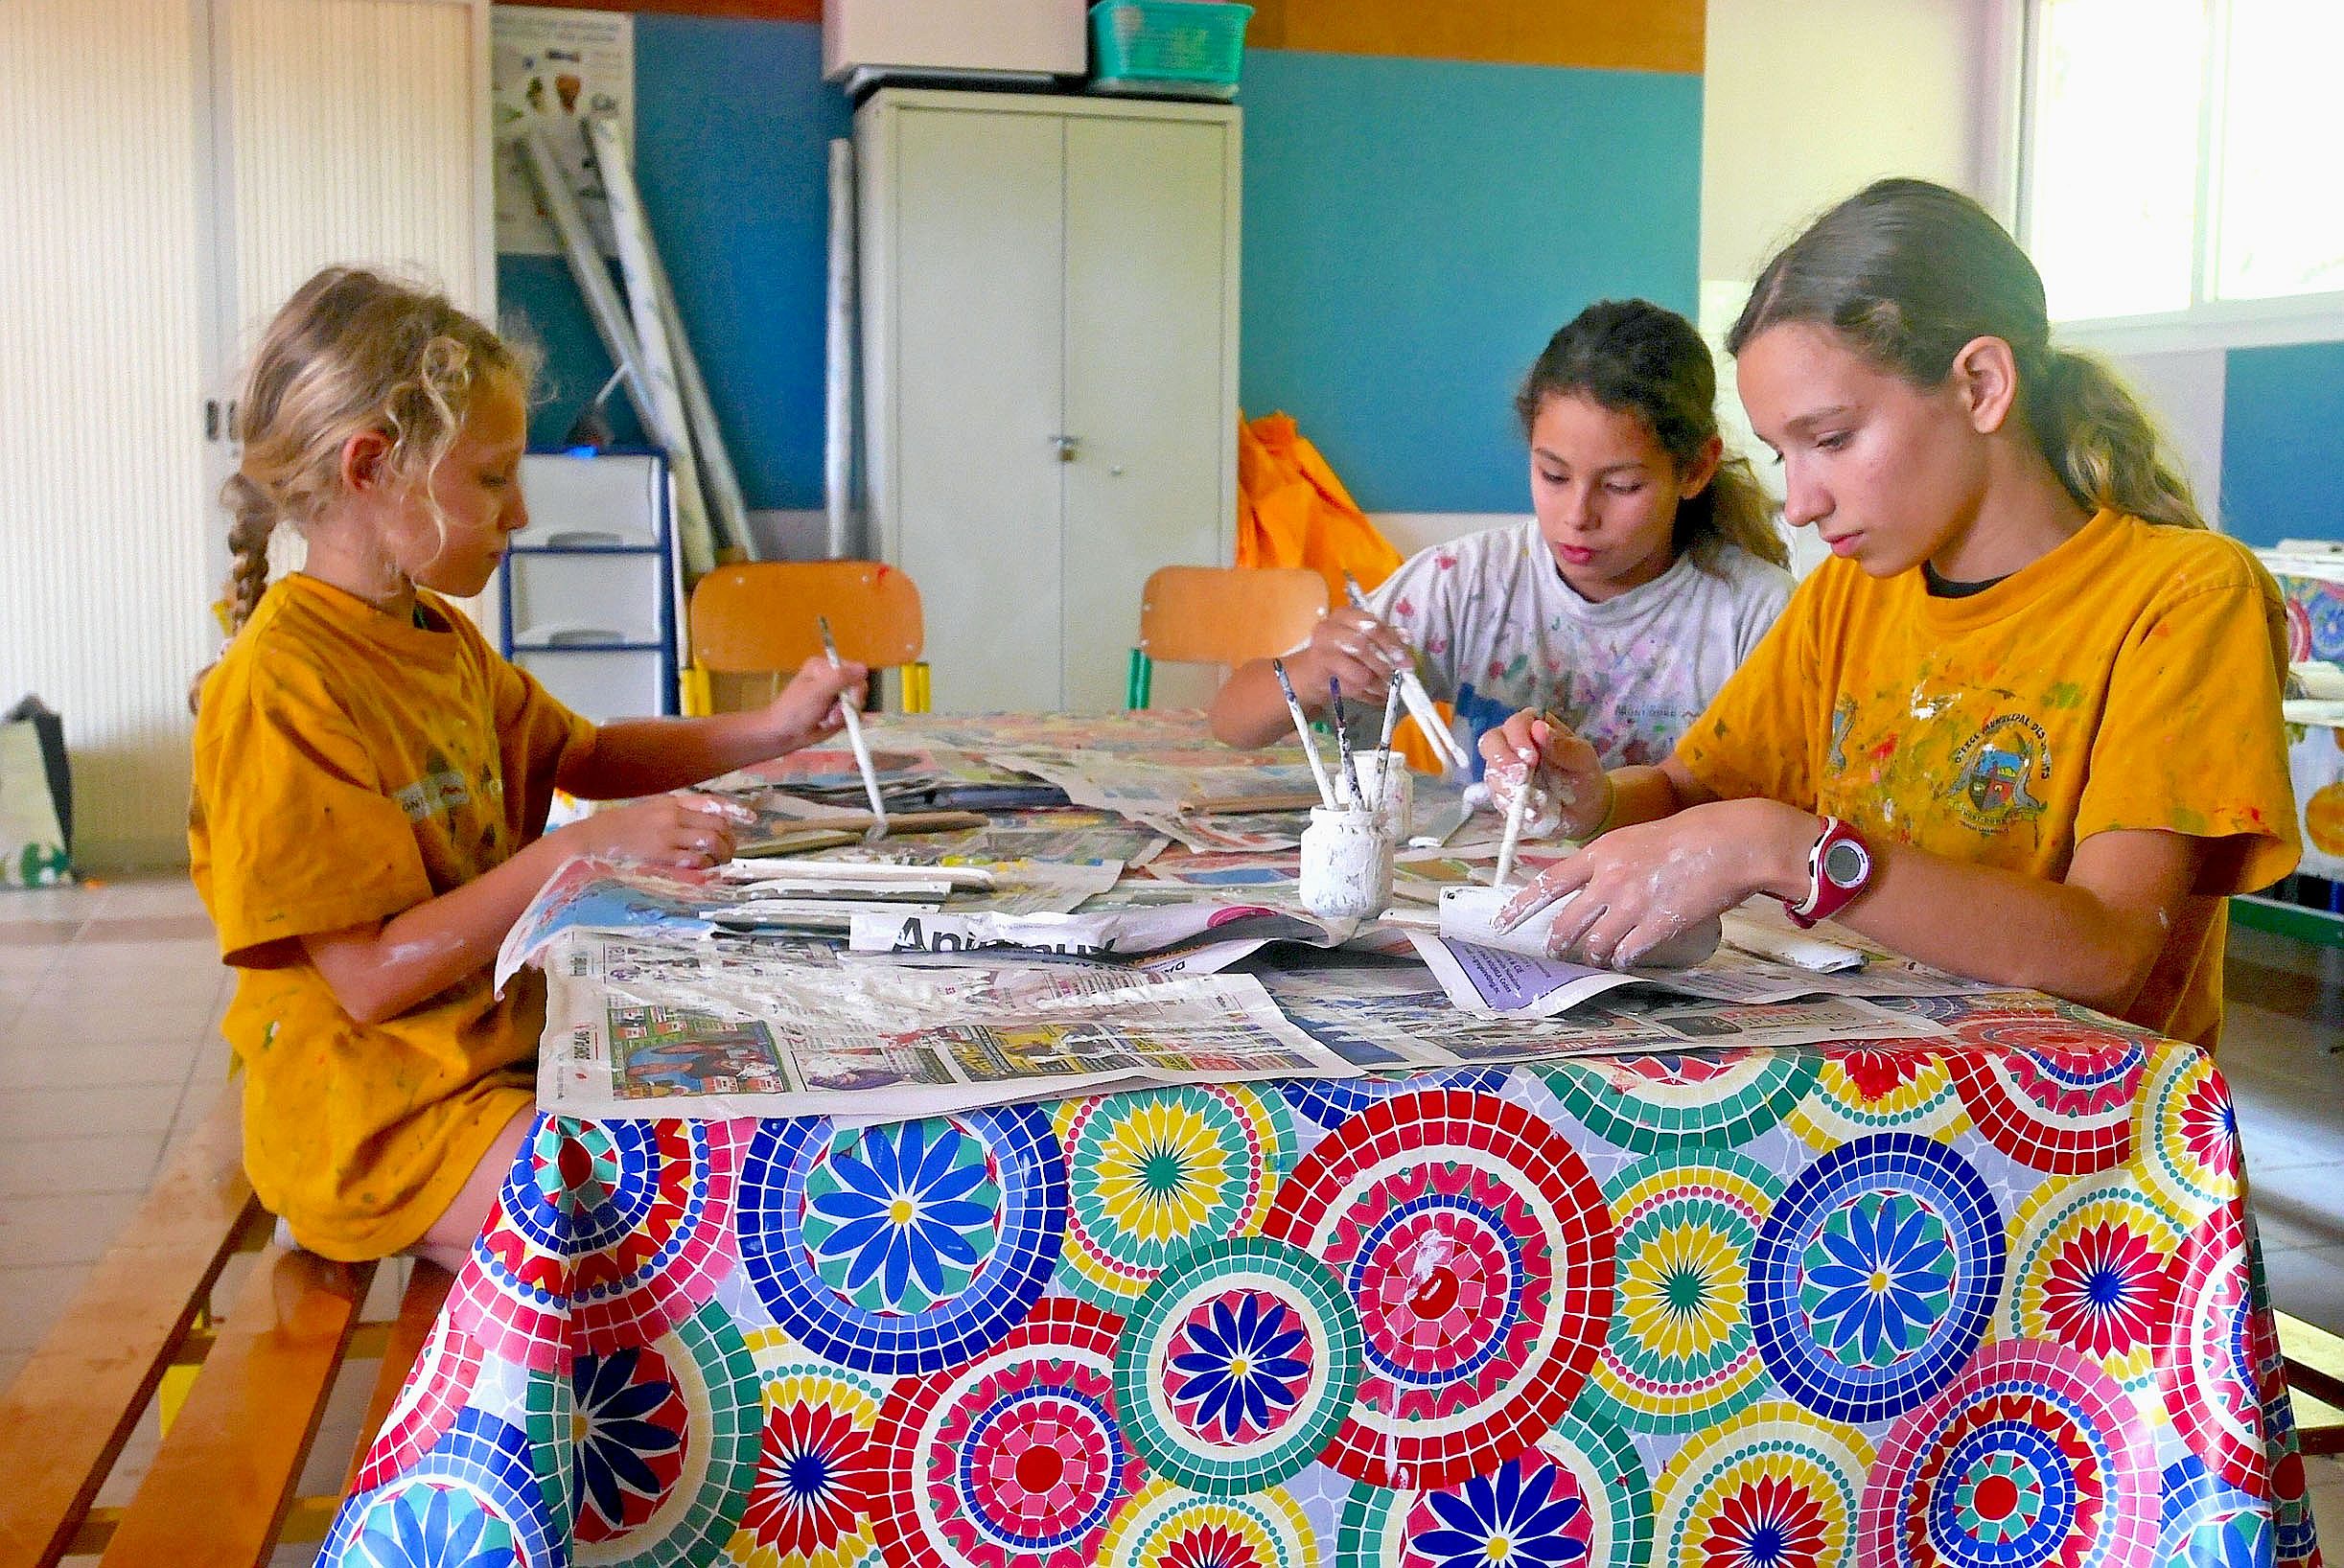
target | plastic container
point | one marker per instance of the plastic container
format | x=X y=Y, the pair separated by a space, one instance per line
x=1189 y=48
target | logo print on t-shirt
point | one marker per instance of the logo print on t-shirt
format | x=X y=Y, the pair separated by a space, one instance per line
x=1993 y=772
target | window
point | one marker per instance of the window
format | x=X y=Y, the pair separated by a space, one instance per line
x=2184 y=164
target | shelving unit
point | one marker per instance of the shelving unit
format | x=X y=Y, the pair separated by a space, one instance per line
x=591 y=590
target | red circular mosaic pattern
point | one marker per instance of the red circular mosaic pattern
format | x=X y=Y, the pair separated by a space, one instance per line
x=1478 y=1252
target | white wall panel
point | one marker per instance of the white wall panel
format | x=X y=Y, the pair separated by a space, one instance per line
x=102 y=519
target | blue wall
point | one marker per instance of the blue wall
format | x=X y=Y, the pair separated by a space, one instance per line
x=1413 y=231
x=1416 y=229
x=733 y=123
x=2283 y=457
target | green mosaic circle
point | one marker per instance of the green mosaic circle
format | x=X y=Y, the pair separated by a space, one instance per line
x=1228 y=1310
x=1153 y=1174
x=1681 y=1353
x=1645 y=1104
x=1371 y=1524
x=719 y=1383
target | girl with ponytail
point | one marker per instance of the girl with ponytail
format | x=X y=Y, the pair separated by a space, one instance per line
x=1650 y=568
x=372 y=779
x=2024 y=726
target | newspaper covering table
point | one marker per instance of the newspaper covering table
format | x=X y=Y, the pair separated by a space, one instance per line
x=1610 y=1287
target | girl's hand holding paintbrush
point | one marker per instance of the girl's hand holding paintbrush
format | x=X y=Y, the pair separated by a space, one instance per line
x=808 y=708
x=1568 y=792
x=1352 y=647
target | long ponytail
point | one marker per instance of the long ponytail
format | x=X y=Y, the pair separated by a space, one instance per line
x=1907 y=273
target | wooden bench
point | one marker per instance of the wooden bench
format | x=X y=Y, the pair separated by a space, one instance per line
x=2316 y=1379
x=223 y=1487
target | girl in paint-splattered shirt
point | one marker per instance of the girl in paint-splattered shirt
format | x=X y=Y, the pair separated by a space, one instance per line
x=1649 y=571
x=372 y=780
x=2024 y=726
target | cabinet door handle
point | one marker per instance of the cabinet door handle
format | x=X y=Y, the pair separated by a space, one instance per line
x=1067 y=446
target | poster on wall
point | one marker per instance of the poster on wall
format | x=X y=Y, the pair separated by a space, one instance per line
x=550 y=69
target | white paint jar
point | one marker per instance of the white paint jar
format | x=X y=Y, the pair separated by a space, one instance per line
x=1346 y=864
x=1390 y=784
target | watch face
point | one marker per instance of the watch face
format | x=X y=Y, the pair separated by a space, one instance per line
x=1844 y=863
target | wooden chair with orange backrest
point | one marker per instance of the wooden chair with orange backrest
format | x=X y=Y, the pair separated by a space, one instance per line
x=1221 y=615
x=753 y=624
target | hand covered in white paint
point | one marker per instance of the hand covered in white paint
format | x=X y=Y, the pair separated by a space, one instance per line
x=1642 y=886
x=1350 y=646
x=1569 y=793
x=683 y=830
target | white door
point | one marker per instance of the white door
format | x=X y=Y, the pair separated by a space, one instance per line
x=346 y=131
x=975 y=298
x=1150 y=378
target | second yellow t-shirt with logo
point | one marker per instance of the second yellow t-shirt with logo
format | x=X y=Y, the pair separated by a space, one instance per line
x=2130 y=679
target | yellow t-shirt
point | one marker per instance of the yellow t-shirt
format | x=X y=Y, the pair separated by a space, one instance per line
x=2130 y=679
x=348 y=767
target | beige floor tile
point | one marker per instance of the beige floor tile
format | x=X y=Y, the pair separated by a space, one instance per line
x=49 y=903
x=32 y=1060
x=135 y=1110
x=44 y=1229
x=36 y=1295
x=71 y=1166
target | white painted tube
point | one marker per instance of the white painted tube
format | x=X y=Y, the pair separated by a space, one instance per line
x=838 y=383
x=593 y=279
x=670 y=423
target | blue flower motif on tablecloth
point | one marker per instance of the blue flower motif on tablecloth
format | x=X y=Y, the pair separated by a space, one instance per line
x=2241 y=1540
x=451 y=1531
x=906 y=1211
x=1240 y=1364
x=1500 y=1518
x=623 y=1452
x=1879 y=1276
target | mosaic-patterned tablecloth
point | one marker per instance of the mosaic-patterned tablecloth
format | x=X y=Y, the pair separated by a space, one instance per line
x=1983 y=1305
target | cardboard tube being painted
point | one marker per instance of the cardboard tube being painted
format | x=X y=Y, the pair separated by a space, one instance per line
x=838 y=386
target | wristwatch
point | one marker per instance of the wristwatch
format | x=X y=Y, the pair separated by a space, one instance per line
x=1837 y=868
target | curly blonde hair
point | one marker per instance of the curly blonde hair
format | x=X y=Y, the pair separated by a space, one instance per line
x=352 y=351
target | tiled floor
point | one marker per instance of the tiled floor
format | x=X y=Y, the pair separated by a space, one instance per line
x=109 y=1047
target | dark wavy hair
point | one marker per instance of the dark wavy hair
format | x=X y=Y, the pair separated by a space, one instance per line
x=1633 y=356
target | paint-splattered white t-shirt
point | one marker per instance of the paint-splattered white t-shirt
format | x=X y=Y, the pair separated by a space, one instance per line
x=1498 y=630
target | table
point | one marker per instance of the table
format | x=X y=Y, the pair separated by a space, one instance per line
x=1990 y=1300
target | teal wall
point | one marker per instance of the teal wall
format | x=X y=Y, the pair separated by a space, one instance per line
x=1413 y=231
x=1416 y=229
x=2283 y=443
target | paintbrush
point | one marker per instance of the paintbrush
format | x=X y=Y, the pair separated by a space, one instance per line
x=848 y=707
x=1342 y=744
x=1302 y=731
x=1419 y=701
x=1512 y=841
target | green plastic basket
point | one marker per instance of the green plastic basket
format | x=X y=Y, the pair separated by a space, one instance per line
x=1169 y=45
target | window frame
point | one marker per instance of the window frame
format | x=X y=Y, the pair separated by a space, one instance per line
x=2206 y=322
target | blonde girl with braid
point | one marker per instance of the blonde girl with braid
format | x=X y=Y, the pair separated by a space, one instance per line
x=372 y=780
x=2025 y=725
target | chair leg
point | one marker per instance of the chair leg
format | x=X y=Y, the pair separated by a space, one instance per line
x=1140 y=684
x=694 y=694
x=916 y=687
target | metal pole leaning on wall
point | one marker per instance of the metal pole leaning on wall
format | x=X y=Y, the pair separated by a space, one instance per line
x=838 y=385
x=602 y=302
x=660 y=384
x=724 y=486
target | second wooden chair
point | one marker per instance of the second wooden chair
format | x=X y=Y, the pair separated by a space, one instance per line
x=1221 y=615
x=753 y=624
